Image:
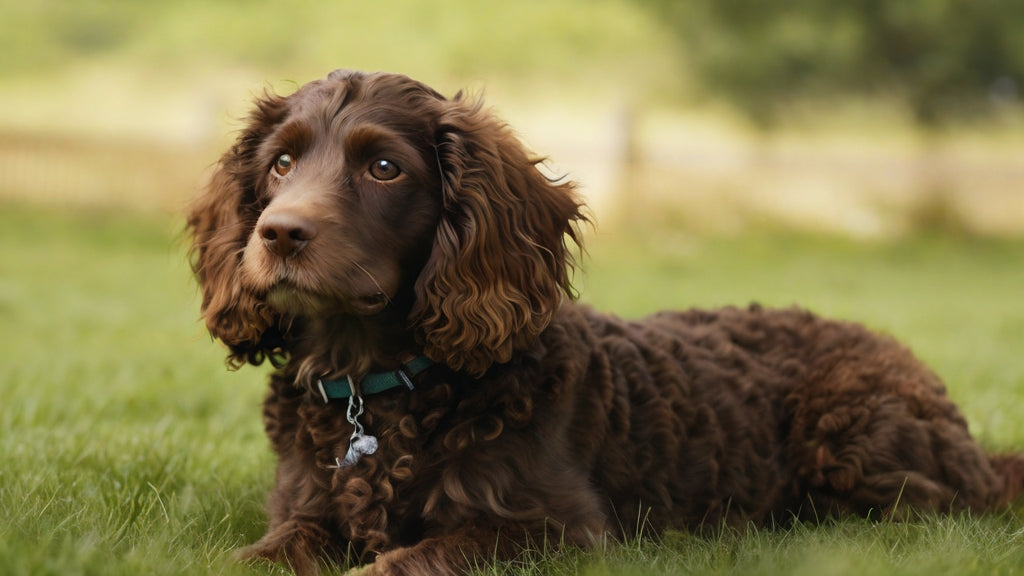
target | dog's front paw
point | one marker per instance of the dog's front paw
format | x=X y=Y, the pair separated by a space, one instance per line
x=299 y=545
x=364 y=570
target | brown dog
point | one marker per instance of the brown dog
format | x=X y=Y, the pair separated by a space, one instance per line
x=441 y=402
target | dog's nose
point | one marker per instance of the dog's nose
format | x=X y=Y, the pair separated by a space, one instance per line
x=285 y=234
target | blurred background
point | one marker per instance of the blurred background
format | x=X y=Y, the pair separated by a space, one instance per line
x=863 y=118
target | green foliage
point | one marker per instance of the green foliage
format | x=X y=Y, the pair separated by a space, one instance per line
x=309 y=37
x=943 y=58
x=127 y=448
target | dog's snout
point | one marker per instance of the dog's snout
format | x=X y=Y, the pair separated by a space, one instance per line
x=285 y=234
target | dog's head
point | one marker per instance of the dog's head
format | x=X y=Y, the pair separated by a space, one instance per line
x=361 y=193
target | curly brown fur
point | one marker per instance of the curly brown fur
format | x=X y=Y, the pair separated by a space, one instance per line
x=366 y=219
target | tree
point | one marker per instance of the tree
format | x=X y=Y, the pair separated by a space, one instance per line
x=946 y=59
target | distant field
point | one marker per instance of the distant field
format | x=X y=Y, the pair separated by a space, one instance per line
x=174 y=69
x=119 y=103
x=127 y=448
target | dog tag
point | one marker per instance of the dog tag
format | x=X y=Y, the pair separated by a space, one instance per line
x=358 y=446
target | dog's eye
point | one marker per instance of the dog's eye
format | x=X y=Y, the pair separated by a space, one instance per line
x=384 y=170
x=284 y=164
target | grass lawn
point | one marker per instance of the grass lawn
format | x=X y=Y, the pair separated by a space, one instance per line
x=127 y=448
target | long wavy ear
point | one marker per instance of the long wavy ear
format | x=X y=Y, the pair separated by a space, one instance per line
x=219 y=221
x=500 y=265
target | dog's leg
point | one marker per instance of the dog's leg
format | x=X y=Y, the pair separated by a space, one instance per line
x=890 y=452
x=301 y=545
x=447 y=555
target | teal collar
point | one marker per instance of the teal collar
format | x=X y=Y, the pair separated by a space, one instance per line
x=373 y=383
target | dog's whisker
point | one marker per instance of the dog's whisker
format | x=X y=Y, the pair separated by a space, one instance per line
x=380 y=289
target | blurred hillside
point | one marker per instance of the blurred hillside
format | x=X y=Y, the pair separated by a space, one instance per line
x=116 y=102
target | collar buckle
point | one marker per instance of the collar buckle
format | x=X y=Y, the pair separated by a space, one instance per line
x=404 y=377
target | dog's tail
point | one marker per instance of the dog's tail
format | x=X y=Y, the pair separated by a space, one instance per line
x=1009 y=467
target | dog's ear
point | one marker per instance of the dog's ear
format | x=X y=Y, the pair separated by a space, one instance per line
x=501 y=263
x=219 y=222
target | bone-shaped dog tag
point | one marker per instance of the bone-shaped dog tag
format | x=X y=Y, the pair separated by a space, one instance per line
x=358 y=446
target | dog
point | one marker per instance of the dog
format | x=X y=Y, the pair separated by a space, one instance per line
x=440 y=399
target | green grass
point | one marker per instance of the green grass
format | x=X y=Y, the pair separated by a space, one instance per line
x=127 y=448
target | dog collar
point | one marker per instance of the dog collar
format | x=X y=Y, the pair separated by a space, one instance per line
x=373 y=383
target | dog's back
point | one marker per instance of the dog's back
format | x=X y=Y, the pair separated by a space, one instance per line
x=738 y=415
